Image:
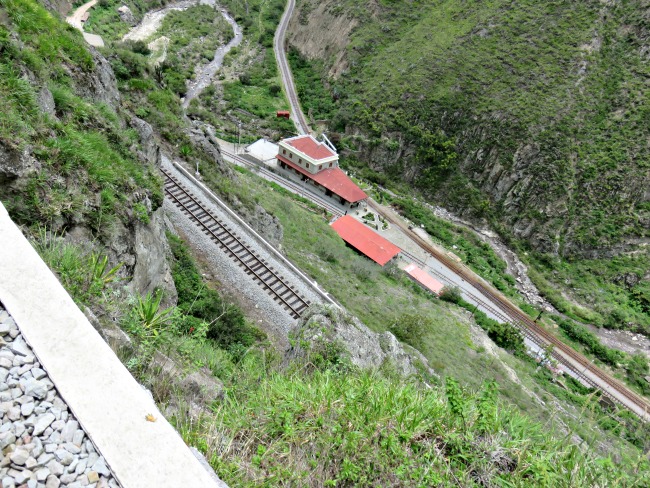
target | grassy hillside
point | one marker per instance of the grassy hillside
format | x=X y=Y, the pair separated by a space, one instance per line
x=278 y=423
x=531 y=114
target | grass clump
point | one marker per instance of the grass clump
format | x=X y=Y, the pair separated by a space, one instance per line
x=362 y=429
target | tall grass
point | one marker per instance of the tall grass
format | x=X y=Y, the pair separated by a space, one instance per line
x=281 y=428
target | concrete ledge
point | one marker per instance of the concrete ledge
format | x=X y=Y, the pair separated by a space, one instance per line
x=109 y=404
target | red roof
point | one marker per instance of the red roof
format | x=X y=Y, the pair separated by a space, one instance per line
x=333 y=179
x=311 y=147
x=365 y=240
x=424 y=279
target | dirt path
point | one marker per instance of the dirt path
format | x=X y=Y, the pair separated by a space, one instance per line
x=77 y=20
x=152 y=20
x=206 y=73
x=285 y=71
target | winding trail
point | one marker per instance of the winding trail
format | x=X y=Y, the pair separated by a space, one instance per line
x=152 y=21
x=297 y=115
x=77 y=20
x=207 y=72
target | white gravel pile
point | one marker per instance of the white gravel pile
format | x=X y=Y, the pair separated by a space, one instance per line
x=41 y=441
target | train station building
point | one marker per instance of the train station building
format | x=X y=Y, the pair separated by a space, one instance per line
x=317 y=163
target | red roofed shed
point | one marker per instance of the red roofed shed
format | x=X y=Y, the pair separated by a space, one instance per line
x=365 y=240
x=332 y=179
x=424 y=279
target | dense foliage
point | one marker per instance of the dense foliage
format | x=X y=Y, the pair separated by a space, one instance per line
x=199 y=303
x=532 y=114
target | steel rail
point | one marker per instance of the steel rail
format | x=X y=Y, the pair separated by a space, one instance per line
x=253 y=264
x=286 y=183
x=563 y=353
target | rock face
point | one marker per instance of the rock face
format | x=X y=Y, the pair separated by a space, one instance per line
x=323 y=326
x=126 y=15
x=98 y=84
x=149 y=151
x=151 y=270
x=16 y=164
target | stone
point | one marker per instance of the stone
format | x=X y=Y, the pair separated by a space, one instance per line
x=20 y=347
x=70 y=447
x=83 y=479
x=44 y=458
x=19 y=428
x=31 y=462
x=68 y=432
x=81 y=466
x=4 y=372
x=68 y=478
x=100 y=467
x=26 y=409
x=35 y=388
x=6 y=439
x=55 y=467
x=93 y=476
x=8 y=482
x=64 y=457
x=5 y=327
x=32 y=483
x=75 y=484
x=13 y=414
x=52 y=482
x=23 y=476
x=43 y=423
x=42 y=474
x=19 y=456
x=78 y=437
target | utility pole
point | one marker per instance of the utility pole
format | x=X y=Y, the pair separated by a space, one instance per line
x=238 y=137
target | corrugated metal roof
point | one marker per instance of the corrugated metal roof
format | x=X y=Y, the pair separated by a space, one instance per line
x=311 y=147
x=333 y=179
x=365 y=240
x=424 y=279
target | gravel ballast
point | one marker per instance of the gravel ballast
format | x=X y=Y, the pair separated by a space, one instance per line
x=42 y=444
x=226 y=268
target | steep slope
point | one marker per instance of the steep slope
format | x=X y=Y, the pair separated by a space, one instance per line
x=532 y=115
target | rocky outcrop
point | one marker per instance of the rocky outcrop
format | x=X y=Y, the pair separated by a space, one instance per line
x=151 y=270
x=16 y=163
x=98 y=84
x=149 y=150
x=324 y=326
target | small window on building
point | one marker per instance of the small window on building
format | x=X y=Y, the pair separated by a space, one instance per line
x=307 y=164
x=300 y=161
x=290 y=156
x=284 y=151
x=330 y=165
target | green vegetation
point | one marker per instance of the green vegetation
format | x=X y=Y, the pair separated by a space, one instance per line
x=315 y=100
x=491 y=78
x=82 y=148
x=194 y=36
x=250 y=92
x=203 y=308
x=85 y=274
x=362 y=429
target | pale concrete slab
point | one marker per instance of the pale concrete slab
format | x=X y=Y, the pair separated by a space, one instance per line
x=109 y=404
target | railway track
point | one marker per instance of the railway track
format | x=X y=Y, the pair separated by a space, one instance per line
x=285 y=183
x=246 y=257
x=564 y=354
x=285 y=71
